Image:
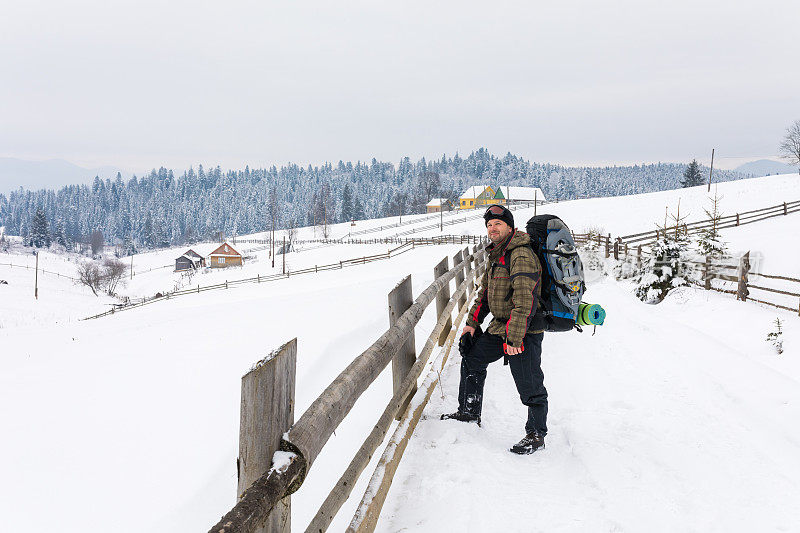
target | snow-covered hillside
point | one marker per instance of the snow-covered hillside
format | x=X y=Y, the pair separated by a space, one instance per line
x=672 y=417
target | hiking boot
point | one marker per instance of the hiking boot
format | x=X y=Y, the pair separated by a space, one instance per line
x=461 y=416
x=529 y=443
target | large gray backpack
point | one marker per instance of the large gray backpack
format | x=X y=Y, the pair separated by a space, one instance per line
x=562 y=273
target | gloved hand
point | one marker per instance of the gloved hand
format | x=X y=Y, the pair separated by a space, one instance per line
x=467 y=341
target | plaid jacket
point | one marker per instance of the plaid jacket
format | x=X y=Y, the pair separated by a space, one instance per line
x=509 y=289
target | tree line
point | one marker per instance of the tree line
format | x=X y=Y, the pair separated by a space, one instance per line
x=161 y=209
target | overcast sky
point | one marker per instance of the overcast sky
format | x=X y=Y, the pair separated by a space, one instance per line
x=141 y=84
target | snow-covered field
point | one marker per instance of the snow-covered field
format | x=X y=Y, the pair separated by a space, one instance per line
x=672 y=417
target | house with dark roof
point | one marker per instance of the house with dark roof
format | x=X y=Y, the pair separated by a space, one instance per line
x=190 y=260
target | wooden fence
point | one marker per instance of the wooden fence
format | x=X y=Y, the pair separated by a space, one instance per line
x=737 y=278
x=28 y=267
x=294 y=447
x=409 y=245
x=439 y=239
x=729 y=221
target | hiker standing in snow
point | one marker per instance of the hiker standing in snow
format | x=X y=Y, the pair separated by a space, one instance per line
x=510 y=290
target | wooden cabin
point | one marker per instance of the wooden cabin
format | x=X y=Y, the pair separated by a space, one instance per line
x=438 y=204
x=190 y=260
x=476 y=196
x=225 y=256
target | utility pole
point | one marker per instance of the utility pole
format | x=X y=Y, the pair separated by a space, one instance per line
x=131 y=266
x=441 y=212
x=711 y=170
x=36 y=283
x=284 y=255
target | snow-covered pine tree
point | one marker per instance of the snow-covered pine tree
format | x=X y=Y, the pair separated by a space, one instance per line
x=667 y=266
x=775 y=337
x=346 y=212
x=692 y=176
x=59 y=236
x=40 y=234
x=358 y=210
x=709 y=242
x=149 y=237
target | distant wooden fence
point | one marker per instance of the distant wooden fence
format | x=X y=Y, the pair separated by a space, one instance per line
x=449 y=218
x=439 y=239
x=729 y=221
x=295 y=447
x=344 y=263
x=28 y=267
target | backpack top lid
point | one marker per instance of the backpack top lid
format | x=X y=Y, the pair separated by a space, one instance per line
x=539 y=226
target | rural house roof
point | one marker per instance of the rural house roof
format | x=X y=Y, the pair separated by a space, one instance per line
x=191 y=255
x=226 y=250
x=437 y=202
x=474 y=191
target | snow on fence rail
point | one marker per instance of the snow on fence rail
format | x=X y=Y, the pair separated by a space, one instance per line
x=293 y=447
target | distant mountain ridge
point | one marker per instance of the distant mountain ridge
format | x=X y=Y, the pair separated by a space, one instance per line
x=49 y=174
x=765 y=167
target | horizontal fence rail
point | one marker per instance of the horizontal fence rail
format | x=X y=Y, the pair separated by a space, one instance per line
x=717 y=274
x=403 y=248
x=306 y=438
x=41 y=270
x=728 y=221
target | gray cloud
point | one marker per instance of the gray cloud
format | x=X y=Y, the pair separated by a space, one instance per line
x=140 y=84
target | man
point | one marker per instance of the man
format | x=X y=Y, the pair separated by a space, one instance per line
x=510 y=290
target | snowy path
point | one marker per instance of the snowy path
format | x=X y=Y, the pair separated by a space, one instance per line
x=665 y=420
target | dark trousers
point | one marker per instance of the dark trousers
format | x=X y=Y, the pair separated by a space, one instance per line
x=526 y=368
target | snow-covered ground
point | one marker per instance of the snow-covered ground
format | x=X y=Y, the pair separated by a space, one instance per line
x=672 y=417
x=676 y=417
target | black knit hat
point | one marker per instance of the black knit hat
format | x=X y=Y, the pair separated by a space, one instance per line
x=500 y=213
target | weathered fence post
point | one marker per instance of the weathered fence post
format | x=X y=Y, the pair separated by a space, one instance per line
x=784 y=208
x=267 y=412
x=608 y=246
x=737 y=219
x=468 y=267
x=626 y=250
x=707 y=273
x=639 y=256
x=400 y=299
x=744 y=268
x=457 y=259
x=442 y=298
x=616 y=249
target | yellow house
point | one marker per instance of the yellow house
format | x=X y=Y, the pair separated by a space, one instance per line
x=476 y=196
